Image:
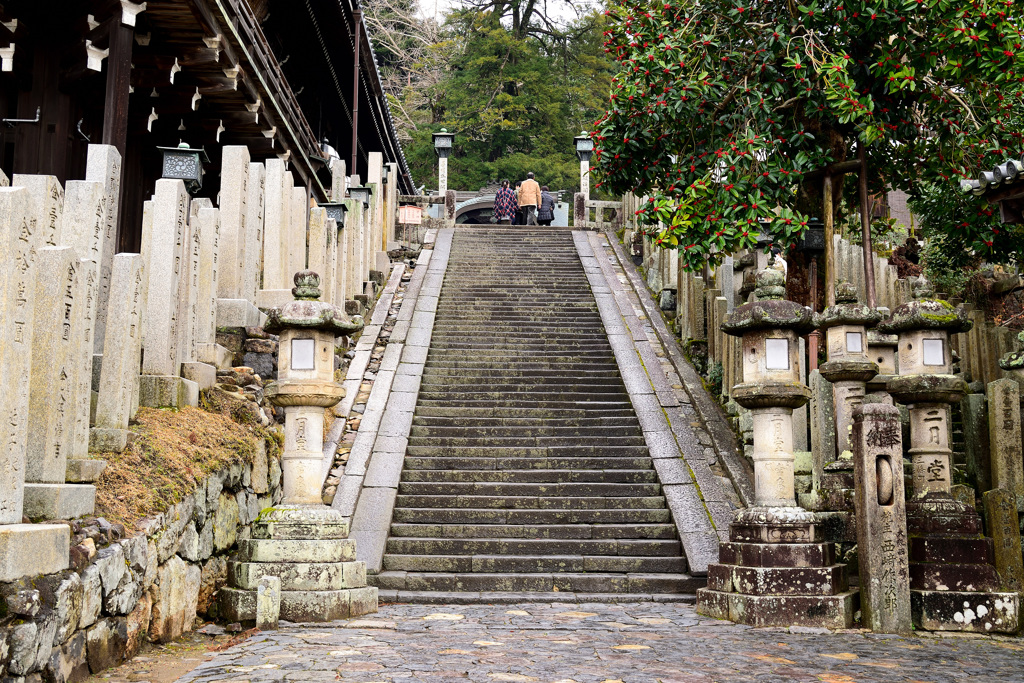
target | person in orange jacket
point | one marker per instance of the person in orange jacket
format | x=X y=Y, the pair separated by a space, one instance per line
x=529 y=199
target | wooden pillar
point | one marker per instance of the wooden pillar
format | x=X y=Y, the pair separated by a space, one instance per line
x=830 y=257
x=115 y=106
x=357 y=27
x=119 y=69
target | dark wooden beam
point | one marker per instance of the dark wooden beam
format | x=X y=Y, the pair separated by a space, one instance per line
x=119 y=70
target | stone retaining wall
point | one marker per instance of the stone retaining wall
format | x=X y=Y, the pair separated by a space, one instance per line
x=62 y=627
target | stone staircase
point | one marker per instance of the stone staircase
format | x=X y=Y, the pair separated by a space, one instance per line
x=526 y=468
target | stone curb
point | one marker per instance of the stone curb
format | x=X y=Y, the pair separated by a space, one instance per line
x=689 y=486
x=708 y=411
x=368 y=490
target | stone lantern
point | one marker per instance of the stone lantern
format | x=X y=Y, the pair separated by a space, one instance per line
x=848 y=367
x=775 y=571
x=953 y=583
x=845 y=325
x=305 y=382
x=584 y=150
x=300 y=550
x=443 y=143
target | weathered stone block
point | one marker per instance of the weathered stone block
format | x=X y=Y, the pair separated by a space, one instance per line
x=68 y=663
x=1007 y=456
x=105 y=644
x=297 y=606
x=263 y=550
x=215 y=354
x=92 y=596
x=225 y=521
x=59 y=501
x=238 y=313
x=948 y=576
x=290 y=531
x=166 y=391
x=828 y=611
x=1003 y=526
x=961 y=611
x=789 y=580
x=107 y=440
x=268 y=602
x=294 y=576
x=175 y=597
x=777 y=554
x=203 y=374
x=81 y=471
x=137 y=626
x=363 y=601
x=28 y=550
x=353 y=574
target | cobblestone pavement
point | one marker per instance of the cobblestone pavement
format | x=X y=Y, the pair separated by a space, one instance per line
x=600 y=643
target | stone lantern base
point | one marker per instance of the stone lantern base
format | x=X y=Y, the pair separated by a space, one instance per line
x=775 y=571
x=953 y=581
x=308 y=549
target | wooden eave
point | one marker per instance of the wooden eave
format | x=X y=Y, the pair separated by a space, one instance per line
x=215 y=49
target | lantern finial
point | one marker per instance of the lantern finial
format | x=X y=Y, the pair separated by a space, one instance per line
x=307 y=286
x=771 y=285
x=846 y=293
x=923 y=289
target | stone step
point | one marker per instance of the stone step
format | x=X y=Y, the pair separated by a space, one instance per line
x=519 y=489
x=528 y=503
x=594 y=582
x=597 y=353
x=511 y=402
x=549 y=453
x=464 y=421
x=633 y=547
x=525 y=330
x=591 y=431
x=439 y=515
x=567 y=337
x=531 y=413
x=527 y=381
x=597 y=372
x=527 y=563
x=525 y=440
x=470 y=368
x=549 y=476
x=534 y=531
x=526 y=468
x=493 y=462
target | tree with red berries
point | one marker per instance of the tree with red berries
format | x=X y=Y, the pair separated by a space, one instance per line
x=725 y=113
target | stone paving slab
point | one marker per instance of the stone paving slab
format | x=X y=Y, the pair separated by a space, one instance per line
x=596 y=642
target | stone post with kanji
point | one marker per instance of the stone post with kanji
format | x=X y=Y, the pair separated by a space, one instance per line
x=881 y=519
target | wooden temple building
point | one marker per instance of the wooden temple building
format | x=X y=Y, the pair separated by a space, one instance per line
x=277 y=76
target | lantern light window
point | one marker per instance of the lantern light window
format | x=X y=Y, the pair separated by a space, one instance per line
x=303 y=351
x=933 y=351
x=776 y=354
